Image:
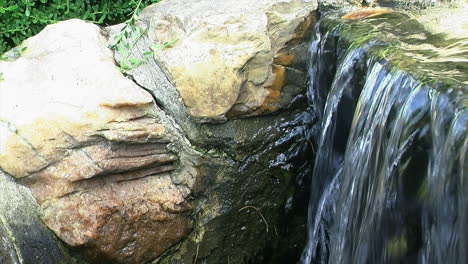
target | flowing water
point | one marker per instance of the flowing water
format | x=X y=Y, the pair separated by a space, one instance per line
x=389 y=183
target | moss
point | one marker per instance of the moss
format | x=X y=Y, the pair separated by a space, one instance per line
x=407 y=45
x=397 y=247
x=222 y=228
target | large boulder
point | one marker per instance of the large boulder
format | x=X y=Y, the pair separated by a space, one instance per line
x=228 y=59
x=89 y=144
x=251 y=160
x=193 y=155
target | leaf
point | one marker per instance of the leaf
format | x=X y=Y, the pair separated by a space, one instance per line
x=135 y=35
x=148 y=53
x=11 y=8
x=125 y=66
x=133 y=61
x=117 y=40
x=170 y=44
x=157 y=46
x=122 y=51
x=86 y=15
x=101 y=20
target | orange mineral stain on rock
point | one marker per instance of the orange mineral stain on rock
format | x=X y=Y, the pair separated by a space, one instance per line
x=271 y=101
x=285 y=58
x=366 y=12
x=304 y=27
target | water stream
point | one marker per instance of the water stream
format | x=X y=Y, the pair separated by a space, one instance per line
x=388 y=182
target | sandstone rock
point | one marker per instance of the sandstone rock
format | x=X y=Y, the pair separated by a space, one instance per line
x=125 y=222
x=245 y=161
x=221 y=54
x=90 y=145
x=123 y=169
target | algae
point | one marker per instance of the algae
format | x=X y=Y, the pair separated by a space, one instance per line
x=433 y=58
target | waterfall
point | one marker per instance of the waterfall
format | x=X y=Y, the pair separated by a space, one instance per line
x=388 y=182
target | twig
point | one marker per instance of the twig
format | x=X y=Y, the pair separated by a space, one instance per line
x=135 y=41
x=196 y=254
x=311 y=145
x=249 y=206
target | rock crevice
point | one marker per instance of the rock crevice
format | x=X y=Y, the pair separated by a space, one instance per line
x=124 y=167
x=100 y=170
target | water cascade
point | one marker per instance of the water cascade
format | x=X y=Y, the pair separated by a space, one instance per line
x=388 y=183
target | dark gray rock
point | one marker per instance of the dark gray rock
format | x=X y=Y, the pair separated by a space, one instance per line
x=24 y=238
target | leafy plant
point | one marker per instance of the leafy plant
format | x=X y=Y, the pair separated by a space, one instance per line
x=160 y=47
x=125 y=41
x=24 y=18
x=21 y=19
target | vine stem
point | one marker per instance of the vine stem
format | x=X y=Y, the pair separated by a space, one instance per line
x=134 y=44
x=135 y=10
x=264 y=220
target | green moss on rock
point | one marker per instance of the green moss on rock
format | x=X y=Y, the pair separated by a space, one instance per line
x=407 y=45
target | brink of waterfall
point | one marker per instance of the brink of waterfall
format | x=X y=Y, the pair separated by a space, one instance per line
x=388 y=184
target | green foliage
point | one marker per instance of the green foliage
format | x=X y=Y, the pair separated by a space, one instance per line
x=125 y=41
x=159 y=47
x=20 y=19
x=125 y=48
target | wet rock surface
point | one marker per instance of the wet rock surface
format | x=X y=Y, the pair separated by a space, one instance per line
x=249 y=166
x=200 y=154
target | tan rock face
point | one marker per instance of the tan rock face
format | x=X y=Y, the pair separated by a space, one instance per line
x=125 y=222
x=222 y=54
x=89 y=144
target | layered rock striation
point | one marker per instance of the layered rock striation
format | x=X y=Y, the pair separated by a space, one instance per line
x=90 y=146
x=175 y=159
